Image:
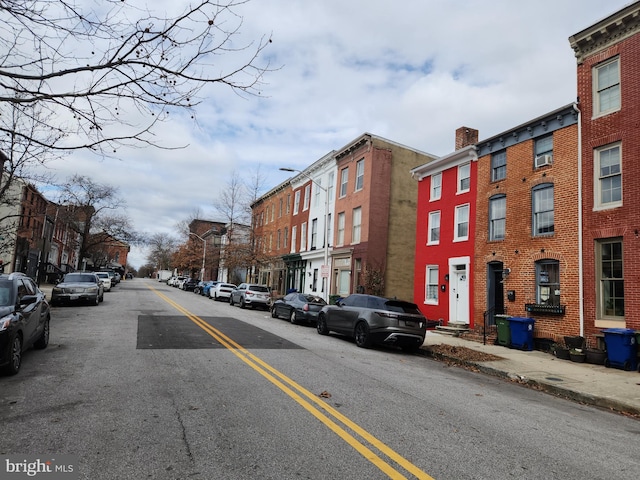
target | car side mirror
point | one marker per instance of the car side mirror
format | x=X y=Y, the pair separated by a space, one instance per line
x=28 y=300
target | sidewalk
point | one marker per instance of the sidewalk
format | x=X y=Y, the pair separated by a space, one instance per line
x=609 y=388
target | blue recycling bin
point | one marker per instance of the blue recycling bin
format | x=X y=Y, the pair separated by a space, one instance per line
x=521 y=332
x=622 y=349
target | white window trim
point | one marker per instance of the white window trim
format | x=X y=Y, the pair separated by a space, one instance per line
x=459 y=189
x=307 y=198
x=428 y=270
x=358 y=176
x=294 y=234
x=303 y=237
x=344 y=175
x=296 y=202
x=356 y=227
x=456 y=238
x=596 y=98
x=432 y=196
x=597 y=205
x=431 y=226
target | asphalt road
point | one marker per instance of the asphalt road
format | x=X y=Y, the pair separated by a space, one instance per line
x=162 y=384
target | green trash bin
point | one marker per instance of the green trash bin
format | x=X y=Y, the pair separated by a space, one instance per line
x=504 y=330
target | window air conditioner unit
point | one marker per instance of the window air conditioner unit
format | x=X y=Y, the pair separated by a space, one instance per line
x=543 y=160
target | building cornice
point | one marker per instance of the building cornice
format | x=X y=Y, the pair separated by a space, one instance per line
x=608 y=31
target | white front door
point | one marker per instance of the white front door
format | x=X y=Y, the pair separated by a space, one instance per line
x=459 y=295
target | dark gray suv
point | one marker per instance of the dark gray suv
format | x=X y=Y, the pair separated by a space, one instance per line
x=370 y=319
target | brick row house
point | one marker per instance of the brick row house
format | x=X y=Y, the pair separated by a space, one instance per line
x=552 y=206
x=37 y=239
x=368 y=200
x=608 y=84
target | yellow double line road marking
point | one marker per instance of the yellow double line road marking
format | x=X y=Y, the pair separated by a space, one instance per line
x=310 y=402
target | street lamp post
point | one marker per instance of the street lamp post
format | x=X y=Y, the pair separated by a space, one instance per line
x=324 y=270
x=204 y=253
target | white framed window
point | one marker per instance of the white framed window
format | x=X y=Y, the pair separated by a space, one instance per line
x=610 y=278
x=497 y=217
x=318 y=192
x=436 y=187
x=340 y=239
x=434 y=228
x=606 y=87
x=303 y=237
x=464 y=178
x=543 y=151
x=294 y=234
x=543 y=210
x=461 y=223
x=431 y=285
x=307 y=197
x=296 y=202
x=344 y=180
x=330 y=186
x=314 y=233
x=360 y=175
x=608 y=176
x=357 y=225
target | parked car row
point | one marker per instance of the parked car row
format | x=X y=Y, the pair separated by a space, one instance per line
x=368 y=319
x=84 y=287
x=211 y=289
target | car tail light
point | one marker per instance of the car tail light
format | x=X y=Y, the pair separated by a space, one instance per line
x=305 y=308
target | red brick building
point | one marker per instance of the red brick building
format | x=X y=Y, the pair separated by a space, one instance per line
x=608 y=79
x=526 y=255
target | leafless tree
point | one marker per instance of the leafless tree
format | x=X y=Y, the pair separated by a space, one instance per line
x=103 y=77
x=161 y=248
x=93 y=210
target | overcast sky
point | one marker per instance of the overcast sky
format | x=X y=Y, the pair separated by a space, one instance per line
x=411 y=71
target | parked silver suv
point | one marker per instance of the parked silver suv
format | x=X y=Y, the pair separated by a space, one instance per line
x=251 y=295
x=370 y=319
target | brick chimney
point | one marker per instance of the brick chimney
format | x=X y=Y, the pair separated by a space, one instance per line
x=466 y=136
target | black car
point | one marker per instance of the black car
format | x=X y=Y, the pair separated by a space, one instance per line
x=190 y=284
x=24 y=319
x=370 y=319
x=298 y=307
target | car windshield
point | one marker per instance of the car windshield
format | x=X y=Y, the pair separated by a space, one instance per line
x=79 y=278
x=5 y=294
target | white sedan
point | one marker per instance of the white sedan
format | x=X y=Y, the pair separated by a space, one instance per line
x=221 y=291
x=105 y=279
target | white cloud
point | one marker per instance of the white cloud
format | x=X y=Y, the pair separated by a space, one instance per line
x=410 y=71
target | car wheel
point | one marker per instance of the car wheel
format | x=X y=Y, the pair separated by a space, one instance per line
x=96 y=301
x=273 y=312
x=102 y=297
x=241 y=303
x=362 y=337
x=322 y=325
x=231 y=301
x=43 y=340
x=293 y=318
x=15 y=358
